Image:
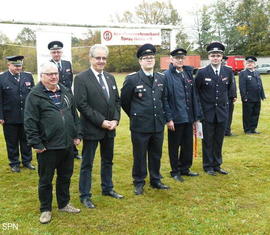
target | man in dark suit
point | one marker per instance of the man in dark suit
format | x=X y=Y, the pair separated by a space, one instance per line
x=251 y=90
x=98 y=102
x=142 y=100
x=65 y=72
x=214 y=83
x=182 y=110
x=14 y=87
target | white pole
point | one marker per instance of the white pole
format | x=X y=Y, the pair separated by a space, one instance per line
x=173 y=39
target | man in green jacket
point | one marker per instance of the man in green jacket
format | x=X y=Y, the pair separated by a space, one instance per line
x=52 y=127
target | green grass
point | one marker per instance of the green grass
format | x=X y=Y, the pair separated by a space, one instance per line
x=235 y=204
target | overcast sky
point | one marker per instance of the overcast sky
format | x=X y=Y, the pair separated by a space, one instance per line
x=82 y=11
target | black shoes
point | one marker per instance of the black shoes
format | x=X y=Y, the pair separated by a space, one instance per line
x=113 y=194
x=252 y=132
x=190 y=173
x=221 y=171
x=138 y=189
x=15 y=169
x=213 y=172
x=255 y=132
x=29 y=166
x=78 y=157
x=88 y=203
x=178 y=178
x=159 y=185
x=210 y=172
x=230 y=134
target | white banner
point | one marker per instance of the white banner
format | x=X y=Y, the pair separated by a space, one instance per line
x=44 y=38
x=116 y=36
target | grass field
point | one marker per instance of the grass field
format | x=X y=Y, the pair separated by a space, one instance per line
x=238 y=203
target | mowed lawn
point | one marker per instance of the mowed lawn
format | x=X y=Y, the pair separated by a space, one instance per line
x=238 y=203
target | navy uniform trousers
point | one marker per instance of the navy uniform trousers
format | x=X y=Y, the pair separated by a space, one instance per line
x=16 y=142
x=251 y=113
x=181 y=139
x=213 y=135
x=146 y=145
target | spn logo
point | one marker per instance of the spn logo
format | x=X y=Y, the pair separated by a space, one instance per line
x=10 y=226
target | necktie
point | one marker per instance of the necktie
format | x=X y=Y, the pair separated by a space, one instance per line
x=151 y=78
x=103 y=86
x=59 y=66
x=17 y=77
x=216 y=73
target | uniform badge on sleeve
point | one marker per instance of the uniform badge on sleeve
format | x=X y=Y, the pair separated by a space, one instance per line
x=67 y=70
x=208 y=79
x=27 y=83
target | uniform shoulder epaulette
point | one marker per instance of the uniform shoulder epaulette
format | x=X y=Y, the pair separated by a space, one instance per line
x=202 y=67
x=1 y=73
x=132 y=73
x=161 y=73
x=228 y=66
x=28 y=72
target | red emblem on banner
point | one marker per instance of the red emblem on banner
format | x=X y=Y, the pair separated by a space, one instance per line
x=107 y=35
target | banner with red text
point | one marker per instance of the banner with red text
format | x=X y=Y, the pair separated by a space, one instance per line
x=118 y=36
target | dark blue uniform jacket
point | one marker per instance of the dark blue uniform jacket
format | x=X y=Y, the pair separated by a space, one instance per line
x=13 y=95
x=214 y=92
x=143 y=102
x=251 y=88
x=181 y=104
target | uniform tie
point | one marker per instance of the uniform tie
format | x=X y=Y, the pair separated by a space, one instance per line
x=216 y=73
x=105 y=92
x=17 y=77
x=59 y=66
x=151 y=78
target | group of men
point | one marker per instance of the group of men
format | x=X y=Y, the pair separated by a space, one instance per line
x=46 y=114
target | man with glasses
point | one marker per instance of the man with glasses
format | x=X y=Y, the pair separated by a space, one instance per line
x=52 y=128
x=15 y=85
x=252 y=92
x=182 y=110
x=215 y=83
x=142 y=100
x=98 y=102
x=65 y=72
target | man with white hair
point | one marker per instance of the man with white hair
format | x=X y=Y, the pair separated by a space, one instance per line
x=252 y=92
x=98 y=102
x=51 y=125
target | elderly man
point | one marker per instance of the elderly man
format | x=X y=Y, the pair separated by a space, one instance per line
x=251 y=90
x=98 y=102
x=182 y=110
x=215 y=83
x=15 y=85
x=141 y=98
x=65 y=72
x=51 y=125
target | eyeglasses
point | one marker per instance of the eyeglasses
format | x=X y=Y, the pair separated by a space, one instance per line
x=148 y=58
x=56 y=52
x=100 y=58
x=51 y=74
x=215 y=55
x=179 y=57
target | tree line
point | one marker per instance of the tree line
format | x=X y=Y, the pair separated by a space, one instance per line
x=242 y=25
